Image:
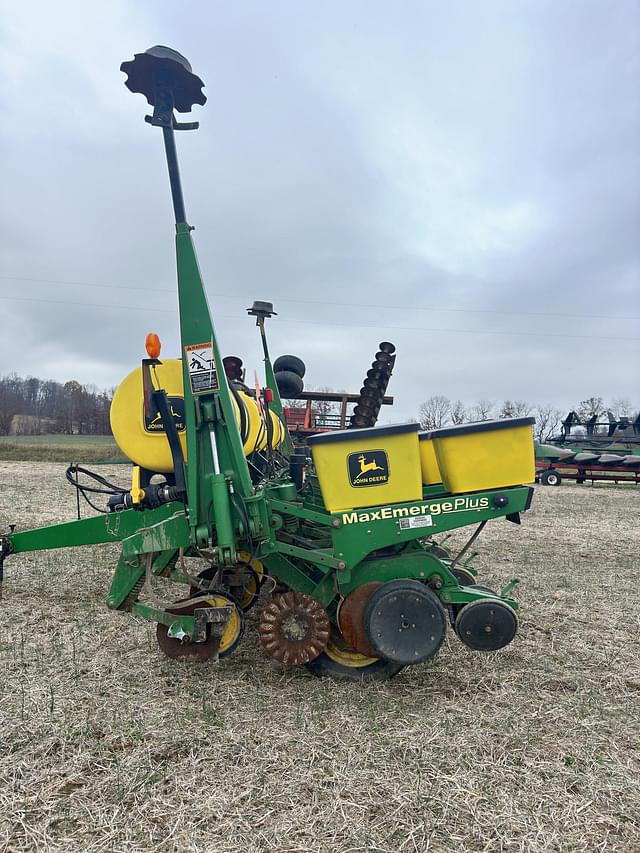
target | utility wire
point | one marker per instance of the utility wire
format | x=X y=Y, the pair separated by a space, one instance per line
x=385 y=327
x=325 y=302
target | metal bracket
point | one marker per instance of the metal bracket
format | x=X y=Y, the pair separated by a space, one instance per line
x=217 y=617
x=5 y=550
x=177 y=125
x=508 y=589
x=176 y=631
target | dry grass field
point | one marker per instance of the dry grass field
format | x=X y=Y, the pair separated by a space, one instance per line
x=105 y=745
x=59 y=448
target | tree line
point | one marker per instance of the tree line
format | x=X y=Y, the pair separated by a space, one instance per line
x=439 y=411
x=33 y=406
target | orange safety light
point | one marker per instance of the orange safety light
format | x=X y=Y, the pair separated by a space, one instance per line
x=152 y=343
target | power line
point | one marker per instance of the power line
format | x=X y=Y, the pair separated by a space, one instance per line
x=385 y=327
x=385 y=306
x=88 y=284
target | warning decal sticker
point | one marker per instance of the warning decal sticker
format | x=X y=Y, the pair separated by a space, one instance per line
x=421 y=521
x=203 y=373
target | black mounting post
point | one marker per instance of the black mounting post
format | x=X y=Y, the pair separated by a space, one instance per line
x=165 y=78
x=262 y=310
x=5 y=548
x=174 y=174
x=155 y=400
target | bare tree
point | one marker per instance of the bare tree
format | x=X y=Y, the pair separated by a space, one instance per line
x=434 y=412
x=10 y=402
x=590 y=407
x=548 y=420
x=31 y=406
x=515 y=409
x=73 y=399
x=322 y=408
x=458 y=412
x=621 y=407
x=482 y=410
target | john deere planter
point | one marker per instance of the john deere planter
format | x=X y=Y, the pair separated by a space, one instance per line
x=341 y=547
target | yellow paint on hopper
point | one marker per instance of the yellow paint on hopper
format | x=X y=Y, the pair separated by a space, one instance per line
x=485 y=455
x=148 y=447
x=428 y=462
x=368 y=467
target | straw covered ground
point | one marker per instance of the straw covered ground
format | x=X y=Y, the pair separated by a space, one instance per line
x=106 y=745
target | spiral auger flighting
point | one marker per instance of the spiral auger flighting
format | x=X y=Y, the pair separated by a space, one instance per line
x=365 y=412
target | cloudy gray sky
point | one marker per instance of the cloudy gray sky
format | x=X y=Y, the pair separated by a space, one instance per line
x=461 y=178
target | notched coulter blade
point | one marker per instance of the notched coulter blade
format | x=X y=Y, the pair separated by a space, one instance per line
x=164 y=66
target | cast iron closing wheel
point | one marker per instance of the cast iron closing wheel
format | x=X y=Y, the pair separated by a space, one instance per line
x=405 y=622
x=486 y=625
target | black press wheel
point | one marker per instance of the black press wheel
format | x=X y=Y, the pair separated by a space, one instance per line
x=484 y=588
x=343 y=663
x=463 y=576
x=405 y=622
x=486 y=625
x=438 y=551
x=550 y=478
x=454 y=609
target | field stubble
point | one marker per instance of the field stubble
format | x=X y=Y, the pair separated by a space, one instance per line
x=106 y=745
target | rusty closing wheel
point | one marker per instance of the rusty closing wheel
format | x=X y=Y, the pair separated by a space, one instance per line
x=350 y=618
x=228 y=642
x=294 y=628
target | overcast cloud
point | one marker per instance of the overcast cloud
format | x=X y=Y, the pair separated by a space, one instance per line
x=460 y=178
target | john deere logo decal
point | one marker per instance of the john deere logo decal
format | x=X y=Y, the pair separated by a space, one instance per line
x=153 y=423
x=368 y=468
